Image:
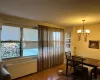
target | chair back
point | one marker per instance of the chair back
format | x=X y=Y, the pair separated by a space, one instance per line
x=68 y=55
x=78 y=61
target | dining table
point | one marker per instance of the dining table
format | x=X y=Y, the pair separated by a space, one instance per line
x=88 y=62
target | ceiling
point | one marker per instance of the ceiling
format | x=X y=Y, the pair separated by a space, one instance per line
x=60 y=12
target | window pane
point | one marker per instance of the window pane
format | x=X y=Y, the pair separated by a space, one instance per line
x=30 y=42
x=56 y=36
x=56 y=39
x=30 y=48
x=10 y=33
x=30 y=34
x=10 y=50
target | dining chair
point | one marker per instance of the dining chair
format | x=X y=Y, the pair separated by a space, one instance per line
x=93 y=70
x=68 y=62
x=79 y=71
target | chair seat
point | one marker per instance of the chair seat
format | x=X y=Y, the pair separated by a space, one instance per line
x=71 y=64
x=81 y=73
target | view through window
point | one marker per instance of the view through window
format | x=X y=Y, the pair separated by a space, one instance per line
x=30 y=42
x=56 y=38
x=11 y=41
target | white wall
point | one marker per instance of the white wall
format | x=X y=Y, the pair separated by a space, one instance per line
x=21 y=67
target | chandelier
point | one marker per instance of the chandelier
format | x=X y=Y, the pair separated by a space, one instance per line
x=83 y=31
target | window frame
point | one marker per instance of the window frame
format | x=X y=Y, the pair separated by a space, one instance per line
x=10 y=42
x=20 y=41
x=28 y=41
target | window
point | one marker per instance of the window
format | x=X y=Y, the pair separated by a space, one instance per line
x=30 y=42
x=10 y=33
x=10 y=49
x=56 y=38
x=10 y=41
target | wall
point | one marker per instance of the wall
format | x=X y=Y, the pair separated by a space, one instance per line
x=24 y=22
x=82 y=47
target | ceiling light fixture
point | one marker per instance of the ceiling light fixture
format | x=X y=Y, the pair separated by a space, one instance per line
x=85 y=32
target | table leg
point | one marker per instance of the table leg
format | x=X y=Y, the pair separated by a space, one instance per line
x=95 y=72
x=66 y=67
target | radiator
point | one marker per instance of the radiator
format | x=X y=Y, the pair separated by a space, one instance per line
x=21 y=67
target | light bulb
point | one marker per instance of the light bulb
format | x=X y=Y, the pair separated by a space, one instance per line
x=79 y=31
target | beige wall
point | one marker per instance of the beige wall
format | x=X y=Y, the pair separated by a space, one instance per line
x=82 y=47
x=22 y=22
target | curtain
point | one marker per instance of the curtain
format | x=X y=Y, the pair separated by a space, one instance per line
x=51 y=47
x=0 y=48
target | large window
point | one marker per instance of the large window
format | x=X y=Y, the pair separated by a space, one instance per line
x=15 y=44
x=30 y=42
x=10 y=41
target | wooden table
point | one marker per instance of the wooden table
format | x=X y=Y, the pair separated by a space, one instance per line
x=89 y=62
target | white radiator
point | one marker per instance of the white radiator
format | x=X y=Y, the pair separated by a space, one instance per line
x=21 y=67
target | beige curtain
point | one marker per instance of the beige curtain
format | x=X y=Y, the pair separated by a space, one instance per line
x=51 y=47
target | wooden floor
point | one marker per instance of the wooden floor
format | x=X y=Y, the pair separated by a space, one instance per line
x=49 y=74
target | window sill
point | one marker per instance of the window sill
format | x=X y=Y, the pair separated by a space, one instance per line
x=15 y=58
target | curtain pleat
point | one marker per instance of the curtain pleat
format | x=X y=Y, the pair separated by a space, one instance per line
x=51 y=47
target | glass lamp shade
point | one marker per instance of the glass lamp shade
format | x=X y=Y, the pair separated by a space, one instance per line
x=87 y=31
x=79 y=31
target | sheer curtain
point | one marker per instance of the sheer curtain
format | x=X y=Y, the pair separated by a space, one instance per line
x=51 y=47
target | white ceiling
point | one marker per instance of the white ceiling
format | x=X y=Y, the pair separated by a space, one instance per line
x=60 y=12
